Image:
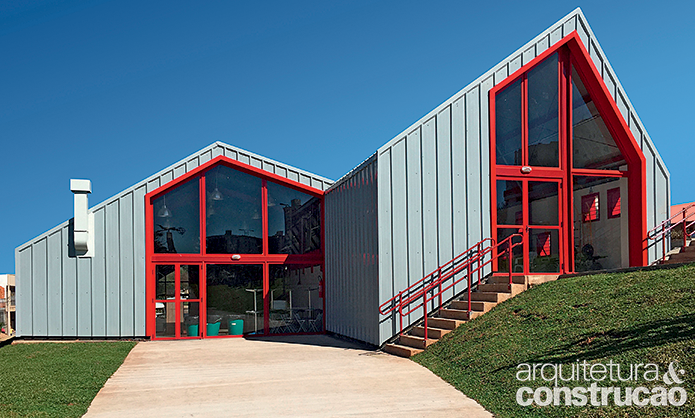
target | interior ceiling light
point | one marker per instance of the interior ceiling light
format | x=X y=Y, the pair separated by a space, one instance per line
x=216 y=195
x=164 y=212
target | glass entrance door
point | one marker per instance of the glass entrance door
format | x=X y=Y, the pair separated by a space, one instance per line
x=234 y=300
x=177 y=301
x=534 y=207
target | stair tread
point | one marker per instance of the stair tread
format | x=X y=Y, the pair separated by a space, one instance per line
x=398 y=349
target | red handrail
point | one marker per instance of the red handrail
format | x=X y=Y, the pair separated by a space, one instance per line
x=475 y=254
x=665 y=227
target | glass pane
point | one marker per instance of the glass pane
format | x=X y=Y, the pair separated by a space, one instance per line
x=543 y=114
x=543 y=203
x=508 y=125
x=517 y=251
x=190 y=282
x=165 y=321
x=295 y=302
x=233 y=212
x=166 y=282
x=234 y=299
x=600 y=240
x=543 y=251
x=294 y=221
x=190 y=319
x=177 y=220
x=593 y=145
x=509 y=203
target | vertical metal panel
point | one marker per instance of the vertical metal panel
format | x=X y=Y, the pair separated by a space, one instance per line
x=113 y=302
x=84 y=296
x=39 y=288
x=69 y=289
x=387 y=326
x=98 y=294
x=139 y=261
x=414 y=206
x=429 y=198
x=473 y=167
x=24 y=320
x=444 y=190
x=528 y=55
x=596 y=57
x=486 y=210
x=351 y=249
x=651 y=212
x=399 y=222
x=555 y=36
x=55 y=285
x=569 y=26
x=459 y=197
x=514 y=64
x=125 y=234
x=543 y=44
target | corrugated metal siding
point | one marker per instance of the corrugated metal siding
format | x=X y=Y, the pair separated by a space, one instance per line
x=352 y=285
x=104 y=296
x=452 y=190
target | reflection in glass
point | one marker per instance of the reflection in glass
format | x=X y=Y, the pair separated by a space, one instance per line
x=543 y=204
x=177 y=220
x=233 y=212
x=190 y=319
x=508 y=125
x=543 y=114
x=509 y=203
x=601 y=243
x=544 y=251
x=593 y=145
x=295 y=303
x=165 y=319
x=234 y=299
x=517 y=251
x=165 y=279
x=190 y=282
x=294 y=221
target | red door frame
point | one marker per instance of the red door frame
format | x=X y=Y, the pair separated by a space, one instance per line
x=203 y=259
x=572 y=51
x=527 y=226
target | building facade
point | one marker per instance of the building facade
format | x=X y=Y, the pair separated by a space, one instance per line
x=226 y=243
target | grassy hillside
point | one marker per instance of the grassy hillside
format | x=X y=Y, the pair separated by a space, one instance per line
x=626 y=318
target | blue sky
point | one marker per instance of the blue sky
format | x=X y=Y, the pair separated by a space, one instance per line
x=116 y=91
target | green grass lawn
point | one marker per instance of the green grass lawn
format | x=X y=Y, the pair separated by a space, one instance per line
x=56 y=379
x=629 y=318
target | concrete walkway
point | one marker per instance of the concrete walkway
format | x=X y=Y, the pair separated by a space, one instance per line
x=305 y=376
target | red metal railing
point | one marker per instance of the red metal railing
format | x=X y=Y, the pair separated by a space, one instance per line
x=681 y=218
x=432 y=287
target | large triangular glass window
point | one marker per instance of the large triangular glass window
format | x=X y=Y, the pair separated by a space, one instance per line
x=593 y=146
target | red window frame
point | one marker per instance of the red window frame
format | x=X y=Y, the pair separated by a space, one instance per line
x=615 y=122
x=202 y=258
x=613 y=203
x=591 y=205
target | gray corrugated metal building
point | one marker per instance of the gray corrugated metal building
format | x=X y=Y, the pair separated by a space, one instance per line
x=421 y=199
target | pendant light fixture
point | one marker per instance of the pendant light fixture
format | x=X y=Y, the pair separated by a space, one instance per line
x=216 y=195
x=164 y=212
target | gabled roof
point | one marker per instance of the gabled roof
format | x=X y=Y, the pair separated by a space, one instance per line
x=199 y=158
x=535 y=47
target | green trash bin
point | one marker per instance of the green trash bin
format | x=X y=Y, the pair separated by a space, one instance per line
x=236 y=327
x=213 y=329
x=193 y=330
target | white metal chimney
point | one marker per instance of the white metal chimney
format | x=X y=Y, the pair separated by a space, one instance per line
x=83 y=224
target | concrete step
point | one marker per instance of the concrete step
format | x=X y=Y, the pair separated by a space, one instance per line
x=496 y=297
x=443 y=323
x=401 y=350
x=475 y=306
x=502 y=288
x=415 y=341
x=435 y=333
x=518 y=279
x=460 y=314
